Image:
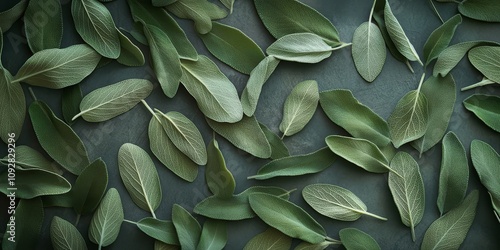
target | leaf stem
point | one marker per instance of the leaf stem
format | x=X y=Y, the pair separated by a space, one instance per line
x=342 y=45
x=282 y=137
x=371 y=11
x=436 y=11
x=129 y=221
x=375 y=216
x=483 y=82
x=287 y=193
x=32 y=94
x=150 y=110
x=413 y=233
x=392 y=170
x=421 y=81
x=332 y=241
x=77 y=219
x=407 y=62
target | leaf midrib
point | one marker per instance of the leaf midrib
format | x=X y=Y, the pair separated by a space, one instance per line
x=109 y=101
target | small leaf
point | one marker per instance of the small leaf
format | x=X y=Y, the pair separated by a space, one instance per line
x=269 y=239
x=219 y=180
x=368 y=51
x=188 y=229
x=13 y=105
x=130 y=54
x=353 y=238
x=450 y=230
x=29 y=216
x=278 y=147
x=107 y=220
x=229 y=4
x=486 y=161
x=483 y=82
x=10 y=16
x=140 y=177
x=482 y=10
x=113 y=100
x=440 y=38
x=378 y=16
x=45 y=33
x=89 y=187
x=486 y=59
x=299 y=107
x=65 y=236
x=407 y=190
x=486 y=108
x=300 y=47
x=296 y=165
x=202 y=12
x=33 y=183
x=29 y=158
x=161 y=230
x=233 y=47
x=70 y=102
x=213 y=235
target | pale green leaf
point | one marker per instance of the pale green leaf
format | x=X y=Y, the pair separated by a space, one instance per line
x=368 y=51
x=107 y=220
x=219 y=179
x=161 y=230
x=486 y=108
x=440 y=38
x=202 y=12
x=13 y=105
x=483 y=82
x=486 y=59
x=65 y=236
x=300 y=47
x=299 y=107
x=353 y=239
x=483 y=10
x=188 y=229
x=269 y=239
x=213 y=235
x=44 y=29
x=486 y=161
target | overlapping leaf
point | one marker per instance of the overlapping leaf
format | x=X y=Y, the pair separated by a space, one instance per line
x=13 y=105
x=46 y=34
x=353 y=238
x=440 y=38
x=161 y=230
x=202 y=12
x=107 y=220
x=486 y=108
x=300 y=47
x=130 y=54
x=65 y=236
x=278 y=147
x=10 y=16
x=486 y=59
x=70 y=102
x=31 y=183
x=213 y=235
x=299 y=107
x=188 y=229
x=483 y=10
x=269 y=239
x=486 y=161
x=29 y=216
x=219 y=179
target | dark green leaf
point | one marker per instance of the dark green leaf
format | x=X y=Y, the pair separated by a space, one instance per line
x=107 y=220
x=130 y=54
x=89 y=187
x=163 y=3
x=300 y=47
x=486 y=108
x=161 y=230
x=32 y=183
x=440 y=38
x=278 y=147
x=10 y=16
x=70 y=102
x=65 y=236
x=219 y=180
x=13 y=105
x=368 y=51
x=483 y=10
x=188 y=229
x=202 y=12
x=353 y=239
x=44 y=29
x=486 y=161
x=269 y=239
x=28 y=225
x=213 y=235
x=486 y=59
x=29 y=158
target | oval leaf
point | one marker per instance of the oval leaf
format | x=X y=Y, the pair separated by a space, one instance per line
x=486 y=59
x=483 y=10
x=269 y=239
x=219 y=180
x=299 y=107
x=130 y=54
x=300 y=47
x=188 y=229
x=213 y=235
x=368 y=51
x=107 y=220
x=161 y=230
x=353 y=238
x=201 y=12
x=28 y=224
x=13 y=105
x=486 y=108
x=45 y=34
x=65 y=236
x=89 y=187
x=31 y=183
x=440 y=38
x=278 y=147
x=486 y=161
x=10 y=16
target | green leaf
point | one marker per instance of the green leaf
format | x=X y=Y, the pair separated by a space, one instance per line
x=113 y=100
x=31 y=183
x=13 y=105
x=440 y=38
x=368 y=51
x=353 y=238
x=454 y=174
x=161 y=230
x=29 y=158
x=483 y=10
x=319 y=246
x=486 y=108
x=70 y=102
x=278 y=147
x=229 y=4
x=58 y=139
x=233 y=47
x=299 y=107
x=219 y=179
x=89 y=187
x=407 y=190
x=171 y=157
x=10 y=16
x=65 y=236
x=107 y=220
x=409 y=119
x=258 y=77
x=94 y=23
x=213 y=235
x=378 y=16
x=162 y=246
x=269 y=239
x=300 y=47
x=440 y=93
x=335 y=202
x=44 y=30
x=486 y=59
x=245 y=135
x=360 y=152
x=486 y=161
x=130 y=54
x=162 y=3
x=188 y=229
x=58 y=68
x=483 y=82
x=140 y=177
x=165 y=60
x=184 y=134
x=202 y=12
x=287 y=217
x=296 y=165
x=214 y=93
x=28 y=224
x=287 y=17
x=450 y=230
x=398 y=35
x=357 y=119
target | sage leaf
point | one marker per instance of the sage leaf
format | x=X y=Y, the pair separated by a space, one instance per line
x=58 y=68
x=107 y=220
x=94 y=23
x=245 y=135
x=213 y=235
x=188 y=229
x=287 y=217
x=278 y=147
x=29 y=158
x=353 y=238
x=320 y=246
x=483 y=82
x=161 y=230
x=219 y=180
x=398 y=35
x=168 y=154
x=58 y=139
x=359 y=120
x=130 y=54
x=236 y=207
x=360 y=152
x=113 y=100
x=201 y=12
x=440 y=38
x=409 y=119
x=165 y=60
x=482 y=10
x=300 y=47
x=70 y=102
x=89 y=187
x=440 y=93
x=233 y=47
x=229 y=4
x=13 y=104
x=368 y=51
x=287 y=17
x=486 y=59
x=10 y=16
x=486 y=161
x=407 y=190
x=33 y=183
x=215 y=95
x=450 y=230
x=299 y=107
x=29 y=216
x=454 y=174
x=269 y=239
x=296 y=165
x=335 y=202
x=140 y=177
x=185 y=136
x=258 y=77
x=46 y=34
x=162 y=3
x=486 y=108
x=65 y=236
x=163 y=246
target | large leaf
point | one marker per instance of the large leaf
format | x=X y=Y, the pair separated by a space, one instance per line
x=29 y=158
x=188 y=229
x=140 y=177
x=94 y=23
x=130 y=54
x=486 y=108
x=89 y=187
x=440 y=38
x=368 y=51
x=27 y=225
x=487 y=60
x=357 y=119
x=353 y=239
x=287 y=17
x=407 y=189
x=161 y=230
x=107 y=220
x=47 y=32
x=269 y=239
x=486 y=161
x=58 y=68
x=65 y=236
x=215 y=95
x=202 y=12
x=10 y=16
x=219 y=180
x=70 y=102
x=483 y=10
x=300 y=47
x=278 y=147
x=378 y=16
x=13 y=105
x=113 y=100
x=32 y=183
x=299 y=107
x=213 y=235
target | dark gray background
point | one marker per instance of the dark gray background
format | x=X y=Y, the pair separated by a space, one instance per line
x=338 y=71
